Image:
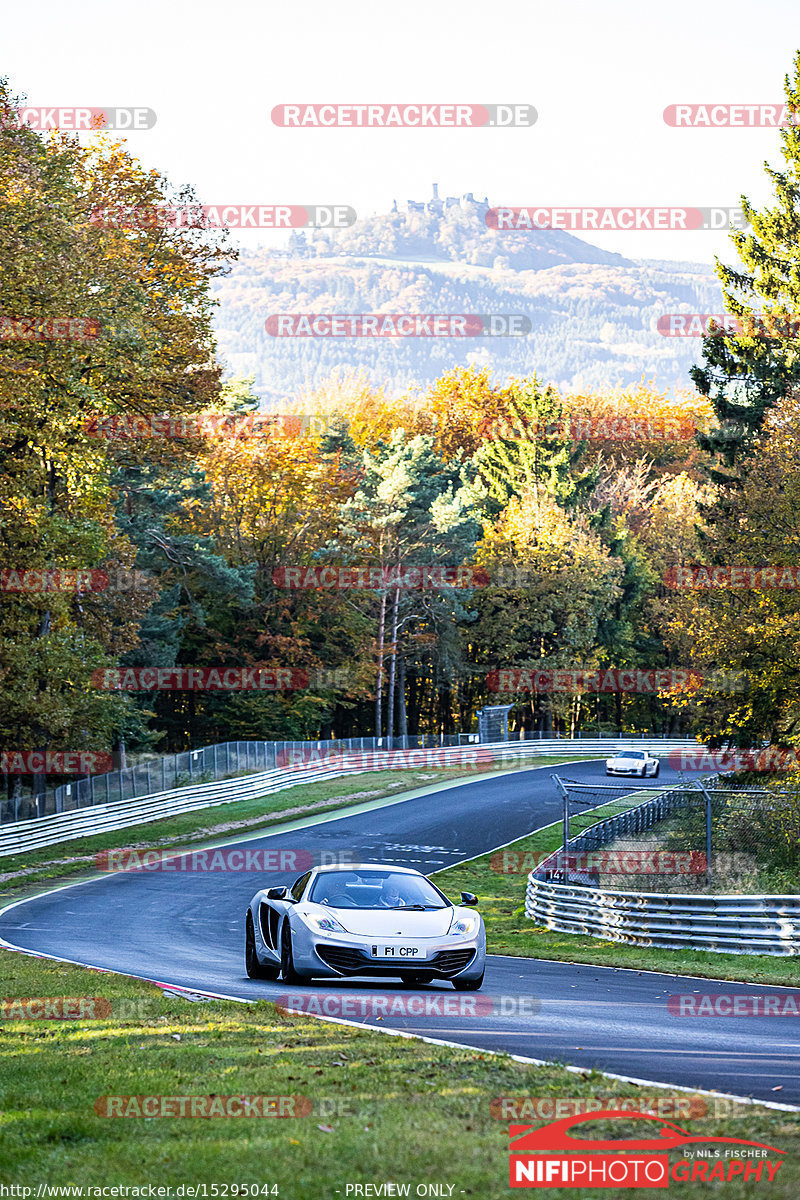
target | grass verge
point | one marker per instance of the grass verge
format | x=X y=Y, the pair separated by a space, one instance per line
x=381 y=1108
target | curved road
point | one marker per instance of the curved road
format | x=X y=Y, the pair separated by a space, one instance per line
x=187 y=930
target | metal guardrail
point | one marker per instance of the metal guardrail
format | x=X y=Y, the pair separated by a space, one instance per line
x=21 y=836
x=672 y=921
x=725 y=923
x=24 y=836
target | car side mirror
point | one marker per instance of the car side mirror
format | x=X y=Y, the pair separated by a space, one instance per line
x=278 y=893
x=468 y=898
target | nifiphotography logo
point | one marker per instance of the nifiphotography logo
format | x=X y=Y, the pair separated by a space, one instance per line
x=630 y=1162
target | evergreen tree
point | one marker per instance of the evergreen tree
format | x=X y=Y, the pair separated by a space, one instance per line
x=534 y=453
x=747 y=372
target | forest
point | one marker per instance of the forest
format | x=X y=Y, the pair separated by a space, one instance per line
x=181 y=566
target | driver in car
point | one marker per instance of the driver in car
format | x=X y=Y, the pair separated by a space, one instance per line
x=336 y=897
x=390 y=895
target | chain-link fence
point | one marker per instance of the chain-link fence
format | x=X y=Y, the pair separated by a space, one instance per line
x=220 y=762
x=708 y=836
x=192 y=767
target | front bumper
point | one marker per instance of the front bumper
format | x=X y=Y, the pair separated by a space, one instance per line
x=348 y=955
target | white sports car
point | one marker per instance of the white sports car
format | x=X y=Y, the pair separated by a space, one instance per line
x=364 y=920
x=633 y=762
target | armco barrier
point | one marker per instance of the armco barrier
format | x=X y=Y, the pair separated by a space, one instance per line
x=729 y=924
x=671 y=921
x=21 y=836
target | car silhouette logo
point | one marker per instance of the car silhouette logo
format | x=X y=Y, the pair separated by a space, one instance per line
x=555 y=1136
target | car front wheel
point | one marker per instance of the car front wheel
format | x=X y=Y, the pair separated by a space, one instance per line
x=469 y=985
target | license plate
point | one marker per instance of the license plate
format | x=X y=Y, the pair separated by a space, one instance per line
x=398 y=953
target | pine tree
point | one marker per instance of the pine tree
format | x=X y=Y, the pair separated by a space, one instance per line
x=746 y=373
x=535 y=452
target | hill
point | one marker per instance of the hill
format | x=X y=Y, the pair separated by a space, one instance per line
x=592 y=314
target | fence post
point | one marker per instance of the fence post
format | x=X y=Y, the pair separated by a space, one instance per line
x=708 y=829
x=565 y=820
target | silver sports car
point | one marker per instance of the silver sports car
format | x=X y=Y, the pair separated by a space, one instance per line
x=633 y=762
x=365 y=920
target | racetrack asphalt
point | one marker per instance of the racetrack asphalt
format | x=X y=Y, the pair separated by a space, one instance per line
x=186 y=929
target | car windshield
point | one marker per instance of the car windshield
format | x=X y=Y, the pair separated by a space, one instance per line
x=632 y=754
x=375 y=889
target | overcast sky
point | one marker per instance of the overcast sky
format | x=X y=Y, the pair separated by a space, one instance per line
x=599 y=74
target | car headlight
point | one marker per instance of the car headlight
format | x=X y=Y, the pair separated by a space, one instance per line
x=327 y=924
x=464 y=926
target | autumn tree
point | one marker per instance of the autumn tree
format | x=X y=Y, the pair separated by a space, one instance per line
x=751 y=634
x=135 y=297
x=553 y=583
x=411 y=508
